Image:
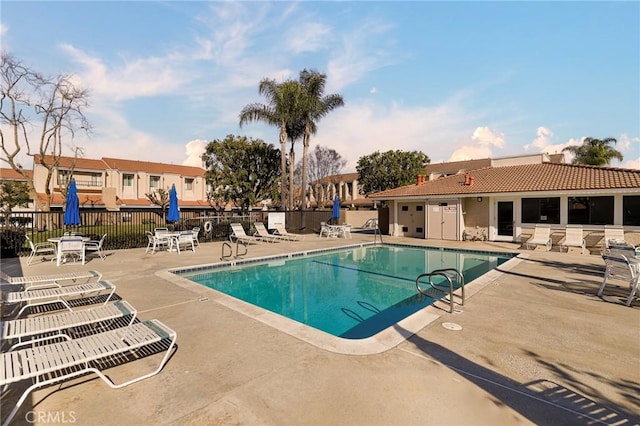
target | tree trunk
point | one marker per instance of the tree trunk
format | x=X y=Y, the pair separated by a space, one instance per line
x=292 y=194
x=305 y=154
x=283 y=166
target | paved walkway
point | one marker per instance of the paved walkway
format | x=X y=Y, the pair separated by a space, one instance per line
x=536 y=347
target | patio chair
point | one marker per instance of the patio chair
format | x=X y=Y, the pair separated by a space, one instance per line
x=70 y=248
x=196 y=233
x=157 y=242
x=54 y=326
x=49 y=296
x=573 y=238
x=261 y=232
x=613 y=234
x=282 y=231
x=54 y=280
x=184 y=239
x=57 y=362
x=42 y=248
x=238 y=234
x=541 y=236
x=619 y=267
x=327 y=230
x=96 y=246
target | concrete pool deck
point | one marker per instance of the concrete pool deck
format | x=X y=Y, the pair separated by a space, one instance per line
x=536 y=346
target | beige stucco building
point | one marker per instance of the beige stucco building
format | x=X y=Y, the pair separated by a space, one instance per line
x=503 y=199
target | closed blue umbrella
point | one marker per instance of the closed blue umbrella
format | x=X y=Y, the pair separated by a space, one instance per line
x=72 y=207
x=335 y=213
x=174 y=212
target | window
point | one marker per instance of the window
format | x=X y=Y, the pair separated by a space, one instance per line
x=541 y=210
x=631 y=210
x=405 y=229
x=63 y=177
x=154 y=182
x=405 y=208
x=127 y=180
x=188 y=184
x=419 y=230
x=591 y=210
x=419 y=208
x=95 y=179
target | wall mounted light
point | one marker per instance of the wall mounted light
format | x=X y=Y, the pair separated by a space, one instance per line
x=479 y=199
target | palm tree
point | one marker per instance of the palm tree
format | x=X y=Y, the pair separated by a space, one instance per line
x=594 y=152
x=315 y=107
x=282 y=99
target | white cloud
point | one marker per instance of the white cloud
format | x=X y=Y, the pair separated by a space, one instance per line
x=362 y=128
x=140 y=77
x=482 y=141
x=3 y=29
x=373 y=90
x=308 y=37
x=194 y=150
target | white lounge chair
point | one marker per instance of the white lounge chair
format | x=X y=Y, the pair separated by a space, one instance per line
x=573 y=238
x=282 y=231
x=49 y=296
x=541 y=236
x=619 y=267
x=42 y=248
x=56 y=362
x=96 y=246
x=57 y=325
x=54 y=280
x=613 y=234
x=261 y=232
x=238 y=234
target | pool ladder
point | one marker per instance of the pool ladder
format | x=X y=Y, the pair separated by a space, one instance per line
x=376 y=232
x=439 y=290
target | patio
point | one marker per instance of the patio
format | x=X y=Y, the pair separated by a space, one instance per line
x=536 y=347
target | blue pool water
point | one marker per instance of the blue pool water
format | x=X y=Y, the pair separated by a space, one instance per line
x=352 y=293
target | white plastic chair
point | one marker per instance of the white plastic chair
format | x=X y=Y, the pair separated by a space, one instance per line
x=96 y=246
x=613 y=234
x=43 y=248
x=70 y=247
x=184 y=239
x=196 y=232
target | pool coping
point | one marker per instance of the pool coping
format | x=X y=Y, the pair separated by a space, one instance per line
x=383 y=341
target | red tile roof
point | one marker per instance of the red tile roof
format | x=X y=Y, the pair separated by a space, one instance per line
x=524 y=178
x=149 y=167
x=10 y=174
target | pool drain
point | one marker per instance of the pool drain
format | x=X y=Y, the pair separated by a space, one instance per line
x=452 y=326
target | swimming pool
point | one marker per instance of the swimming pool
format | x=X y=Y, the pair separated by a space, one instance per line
x=349 y=293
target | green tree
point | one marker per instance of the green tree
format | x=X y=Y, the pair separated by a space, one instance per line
x=380 y=171
x=12 y=194
x=241 y=170
x=315 y=106
x=595 y=152
x=280 y=110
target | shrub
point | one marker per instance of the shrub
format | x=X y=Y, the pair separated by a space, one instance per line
x=11 y=242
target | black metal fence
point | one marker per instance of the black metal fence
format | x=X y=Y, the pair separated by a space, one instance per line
x=127 y=229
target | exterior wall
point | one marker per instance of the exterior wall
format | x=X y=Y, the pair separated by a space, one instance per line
x=476 y=218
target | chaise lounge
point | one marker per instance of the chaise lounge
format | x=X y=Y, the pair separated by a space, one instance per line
x=541 y=236
x=61 y=361
x=55 y=294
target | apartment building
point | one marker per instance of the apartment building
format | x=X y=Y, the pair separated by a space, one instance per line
x=116 y=184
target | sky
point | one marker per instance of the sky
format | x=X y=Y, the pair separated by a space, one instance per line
x=456 y=80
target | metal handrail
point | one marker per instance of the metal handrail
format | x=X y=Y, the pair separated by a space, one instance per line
x=434 y=287
x=459 y=275
x=377 y=232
